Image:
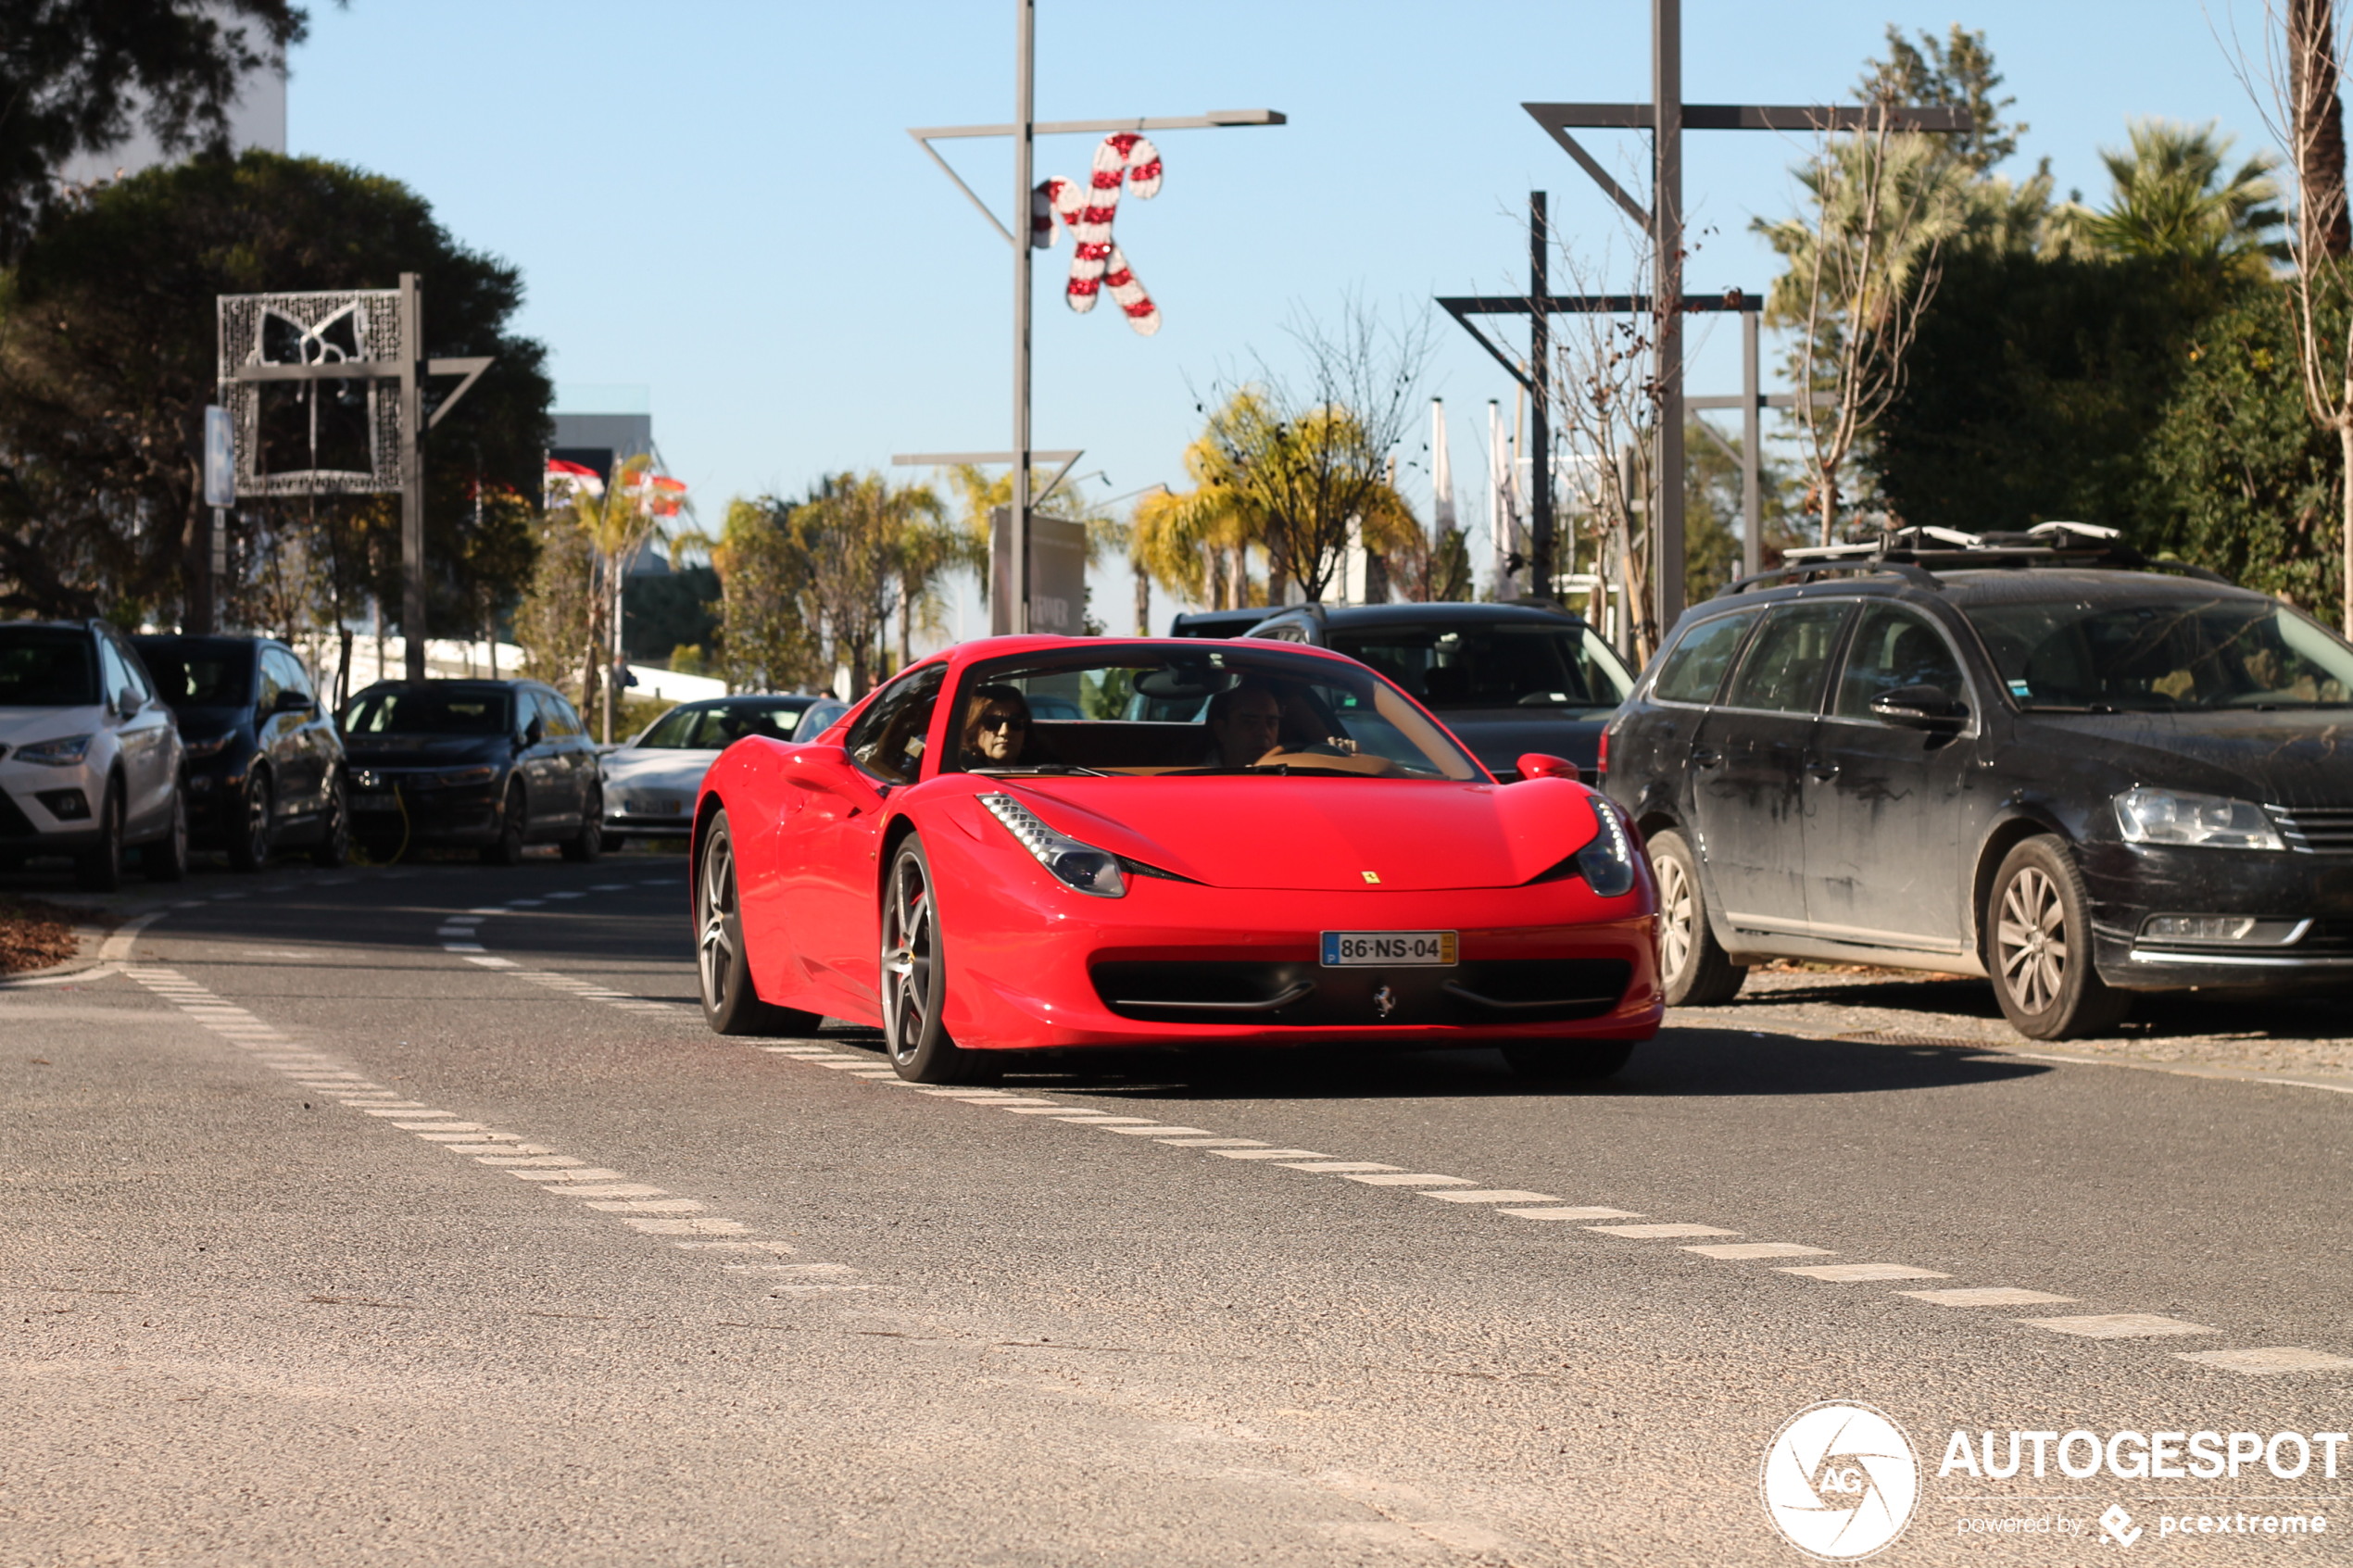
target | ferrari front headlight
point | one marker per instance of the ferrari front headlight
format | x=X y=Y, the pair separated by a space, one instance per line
x=1077 y=865
x=1608 y=863
x=2209 y=821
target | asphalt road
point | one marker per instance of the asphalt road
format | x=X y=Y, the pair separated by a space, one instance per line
x=412 y=1215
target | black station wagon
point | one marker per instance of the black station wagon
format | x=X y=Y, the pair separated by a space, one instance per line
x=2020 y=760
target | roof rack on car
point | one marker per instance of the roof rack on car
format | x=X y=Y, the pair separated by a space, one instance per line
x=1919 y=552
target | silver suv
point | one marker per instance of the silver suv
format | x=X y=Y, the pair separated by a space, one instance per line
x=89 y=757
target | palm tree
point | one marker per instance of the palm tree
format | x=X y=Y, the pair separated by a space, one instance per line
x=2173 y=198
x=616 y=524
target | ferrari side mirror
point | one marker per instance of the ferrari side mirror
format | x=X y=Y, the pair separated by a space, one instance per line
x=1542 y=765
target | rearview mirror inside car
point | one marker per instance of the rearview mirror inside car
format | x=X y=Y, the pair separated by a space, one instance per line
x=1922 y=707
x=1542 y=765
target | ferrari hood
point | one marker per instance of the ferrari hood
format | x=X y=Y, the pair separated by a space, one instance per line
x=1324 y=834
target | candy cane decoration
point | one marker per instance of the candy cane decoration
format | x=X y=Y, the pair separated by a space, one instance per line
x=1088 y=210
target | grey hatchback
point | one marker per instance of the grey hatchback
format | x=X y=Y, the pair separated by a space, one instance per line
x=2021 y=761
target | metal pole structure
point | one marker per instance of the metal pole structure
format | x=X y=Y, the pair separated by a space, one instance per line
x=1025 y=176
x=413 y=479
x=1752 y=458
x=1539 y=381
x=1667 y=243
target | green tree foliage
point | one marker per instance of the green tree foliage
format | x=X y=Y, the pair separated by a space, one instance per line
x=110 y=357
x=2175 y=198
x=2242 y=482
x=551 y=624
x=76 y=75
x=769 y=638
x=1955 y=71
x=2035 y=386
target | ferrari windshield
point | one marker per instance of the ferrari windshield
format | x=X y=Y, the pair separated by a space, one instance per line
x=2174 y=656
x=1155 y=711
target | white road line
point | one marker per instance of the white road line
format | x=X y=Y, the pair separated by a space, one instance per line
x=490 y=962
x=567 y=894
x=1570 y=1213
x=1492 y=1194
x=1335 y=1167
x=2120 y=1325
x=688 y=1227
x=1149 y=1131
x=1737 y=1251
x=525 y=903
x=537 y=1161
x=2228 y=1074
x=1988 y=1296
x=1403 y=1179
x=1267 y=1154
x=610 y=887
x=1646 y=1233
x=2274 y=1359
x=1213 y=1142
x=1857 y=1274
x=605 y=1189
x=462 y=946
x=647 y=1206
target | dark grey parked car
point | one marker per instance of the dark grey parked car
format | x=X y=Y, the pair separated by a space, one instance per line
x=492 y=764
x=2018 y=760
x=1506 y=679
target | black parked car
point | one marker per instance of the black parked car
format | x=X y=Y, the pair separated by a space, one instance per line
x=2020 y=760
x=264 y=762
x=1506 y=679
x=494 y=765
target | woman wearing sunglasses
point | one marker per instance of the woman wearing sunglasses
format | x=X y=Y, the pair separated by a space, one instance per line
x=996 y=727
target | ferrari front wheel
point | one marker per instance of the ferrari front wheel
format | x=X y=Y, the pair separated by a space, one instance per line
x=731 y=1004
x=915 y=979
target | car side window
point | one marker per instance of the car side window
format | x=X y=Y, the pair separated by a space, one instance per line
x=887 y=740
x=526 y=710
x=1694 y=667
x=1786 y=660
x=1894 y=647
x=113 y=674
x=272 y=683
x=291 y=675
x=561 y=721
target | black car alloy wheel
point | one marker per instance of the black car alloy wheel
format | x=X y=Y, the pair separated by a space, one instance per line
x=250 y=838
x=2039 y=945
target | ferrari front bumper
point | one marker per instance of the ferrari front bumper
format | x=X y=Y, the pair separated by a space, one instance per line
x=1032 y=964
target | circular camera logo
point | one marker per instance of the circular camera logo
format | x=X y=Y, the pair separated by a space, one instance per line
x=1840 y=1481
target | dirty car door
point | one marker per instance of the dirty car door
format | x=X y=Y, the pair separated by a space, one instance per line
x=1746 y=761
x=1892 y=815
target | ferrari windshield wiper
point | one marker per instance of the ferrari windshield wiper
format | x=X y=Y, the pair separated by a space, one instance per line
x=1040 y=768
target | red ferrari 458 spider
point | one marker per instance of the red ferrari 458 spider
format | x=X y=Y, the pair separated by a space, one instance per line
x=1032 y=842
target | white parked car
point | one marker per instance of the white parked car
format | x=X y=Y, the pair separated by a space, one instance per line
x=90 y=756
x=650 y=783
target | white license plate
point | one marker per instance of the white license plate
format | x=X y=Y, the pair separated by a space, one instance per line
x=1363 y=950
x=374 y=803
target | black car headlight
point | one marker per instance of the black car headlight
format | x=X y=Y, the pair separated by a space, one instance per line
x=1077 y=865
x=458 y=776
x=1608 y=863
x=2209 y=821
x=207 y=750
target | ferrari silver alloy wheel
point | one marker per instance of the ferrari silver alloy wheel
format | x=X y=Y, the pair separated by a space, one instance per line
x=714 y=943
x=2030 y=940
x=909 y=946
x=1678 y=911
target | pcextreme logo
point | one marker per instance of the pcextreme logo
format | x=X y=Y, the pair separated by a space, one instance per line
x=1840 y=1481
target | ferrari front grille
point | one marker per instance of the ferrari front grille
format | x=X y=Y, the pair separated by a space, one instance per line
x=1306 y=995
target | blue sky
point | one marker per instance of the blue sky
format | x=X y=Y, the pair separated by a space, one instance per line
x=718 y=201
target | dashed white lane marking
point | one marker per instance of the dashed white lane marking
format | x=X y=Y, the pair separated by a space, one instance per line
x=1151 y=1130
x=1646 y=1233
x=1213 y=1142
x=568 y=894
x=1988 y=1296
x=525 y=903
x=2273 y=1359
x=1492 y=1194
x=1738 y=1250
x=1267 y=1154
x=610 y=887
x=1407 y=1179
x=641 y=1206
x=1335 y=1166
x=1857 y=1273
x=2120 y=1325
